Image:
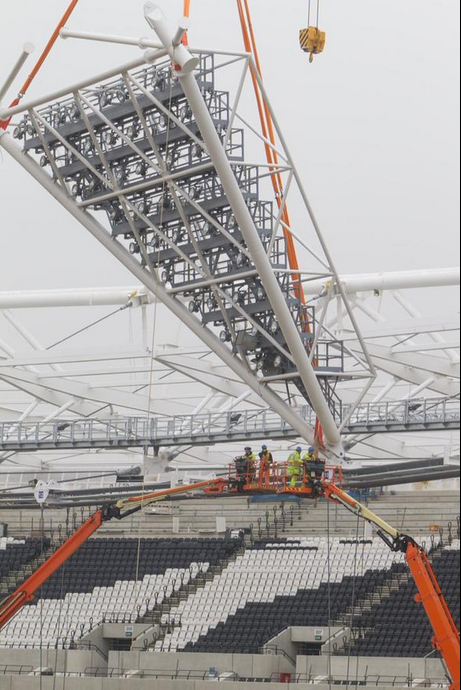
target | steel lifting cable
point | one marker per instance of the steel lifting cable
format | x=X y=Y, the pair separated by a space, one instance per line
x=309 y=13
x=42 y=59
x=155 y=317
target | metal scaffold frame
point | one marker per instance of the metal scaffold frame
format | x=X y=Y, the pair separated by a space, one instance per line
x=185 y=63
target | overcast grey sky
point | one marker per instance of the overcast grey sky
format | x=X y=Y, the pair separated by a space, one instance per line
x=373 y=124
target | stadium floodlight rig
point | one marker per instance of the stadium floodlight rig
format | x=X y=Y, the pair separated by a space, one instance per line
x=152 y=148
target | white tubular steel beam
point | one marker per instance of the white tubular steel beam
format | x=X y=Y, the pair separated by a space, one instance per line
x=150 y=56
x=27 y=335
x=108 y=38
x=416 y=314
x=183 y=61
x=116 y=249
x=91 y=297
x=27 y=50
x=400 y=280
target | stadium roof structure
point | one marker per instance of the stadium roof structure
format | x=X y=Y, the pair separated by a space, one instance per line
x=237 y=324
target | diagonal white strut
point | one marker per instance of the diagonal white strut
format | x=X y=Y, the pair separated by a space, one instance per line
x=270 y=397
x=185 y=65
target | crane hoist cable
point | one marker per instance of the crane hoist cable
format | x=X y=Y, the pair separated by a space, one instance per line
x=309 y=13
x=312 y=39
x=42 y=59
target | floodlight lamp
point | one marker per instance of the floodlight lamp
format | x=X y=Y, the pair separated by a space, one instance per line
x=142 y=206
x=62 y=116
x=232 y=223
x=132 y=131
x=196 y=192
x=88 y=147
x=18 y=132
x=141 y=169
x=273 y=327
x=225 y=336
x=74 y=113
x=110 y=138
x=120 y=95
x=176 y=236
x=197 y=151
x=185 y=113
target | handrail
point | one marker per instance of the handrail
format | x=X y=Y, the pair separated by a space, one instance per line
x=135 y=431
x=68 y=646
x=305 y=679
x=277 y=651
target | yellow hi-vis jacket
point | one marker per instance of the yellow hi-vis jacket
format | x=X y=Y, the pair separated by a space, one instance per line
x=295 y=463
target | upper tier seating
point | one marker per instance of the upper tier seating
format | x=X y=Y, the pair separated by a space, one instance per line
x=276 y=586
x=112 y=578
x=14 y=554
x=399 y=627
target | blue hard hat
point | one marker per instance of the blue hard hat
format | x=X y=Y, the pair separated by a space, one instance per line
x=312 y=449
x=299 y=449
x=248 y=448
x=264 y=448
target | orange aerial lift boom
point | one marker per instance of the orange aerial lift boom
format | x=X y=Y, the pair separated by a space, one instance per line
x=27 y=591
x=446 y=634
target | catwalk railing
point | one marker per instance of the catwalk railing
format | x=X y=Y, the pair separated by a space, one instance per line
x=432 y=414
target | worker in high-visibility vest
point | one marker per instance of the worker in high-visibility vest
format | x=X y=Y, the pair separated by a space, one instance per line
x=310 y=463
x=295 y=467
x=252 y=460
x=266 y=461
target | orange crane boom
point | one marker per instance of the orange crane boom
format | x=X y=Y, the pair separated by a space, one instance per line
x=446 y=634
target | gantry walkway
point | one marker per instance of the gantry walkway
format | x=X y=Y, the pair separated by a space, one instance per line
x=434 y=414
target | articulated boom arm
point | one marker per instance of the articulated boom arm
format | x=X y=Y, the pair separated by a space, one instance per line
x=446 y=634
x=27 y=591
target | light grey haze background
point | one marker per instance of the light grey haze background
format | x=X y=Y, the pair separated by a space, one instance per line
x=373 y=125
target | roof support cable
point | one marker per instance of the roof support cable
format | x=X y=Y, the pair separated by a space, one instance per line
x=91 y=325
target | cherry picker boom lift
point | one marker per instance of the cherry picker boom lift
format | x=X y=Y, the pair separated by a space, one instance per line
x=446 y=634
